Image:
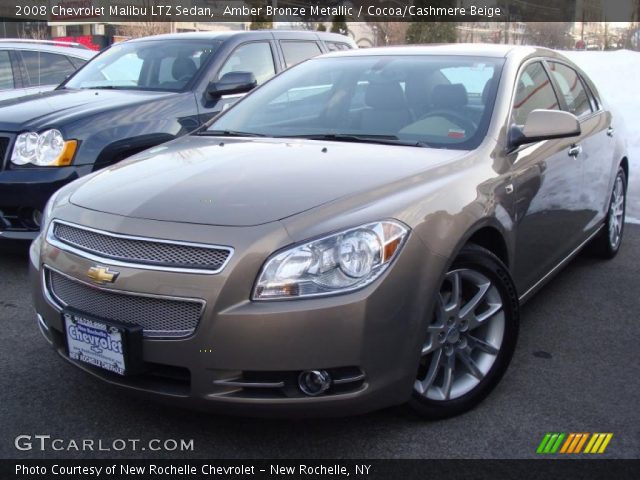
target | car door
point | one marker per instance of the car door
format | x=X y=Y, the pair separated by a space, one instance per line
x=256 y=57
x=547 y=181
x=596 y=144
x=43 y=71
x=9 y=85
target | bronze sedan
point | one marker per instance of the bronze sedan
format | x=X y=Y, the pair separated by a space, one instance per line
x=357 y=233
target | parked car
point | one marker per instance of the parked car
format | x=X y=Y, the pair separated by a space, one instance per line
x=35 y=66
x=357 y=233
x=133 y=96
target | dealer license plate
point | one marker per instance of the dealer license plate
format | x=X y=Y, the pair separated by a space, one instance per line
x=96 y=342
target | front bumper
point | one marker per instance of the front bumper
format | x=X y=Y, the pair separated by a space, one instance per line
x=25 y=191
x=373 y=335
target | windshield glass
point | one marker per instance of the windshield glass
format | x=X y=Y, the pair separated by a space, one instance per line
x=150 y=65
x=439 y=101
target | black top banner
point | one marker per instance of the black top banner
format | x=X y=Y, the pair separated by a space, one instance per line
x=315 y=11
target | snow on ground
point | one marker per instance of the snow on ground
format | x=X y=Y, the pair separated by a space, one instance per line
x=617 y=76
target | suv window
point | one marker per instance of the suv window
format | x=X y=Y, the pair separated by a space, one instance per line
x=166 y=65
x=571 y=88
x=296 y=52
x=45 y=68
x=6 y=73
x=335 y=46
x=255 y=57
x=77 y=62
x=534 y=91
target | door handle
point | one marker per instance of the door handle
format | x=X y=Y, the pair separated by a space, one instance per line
x=575 y=150
x=610 y=131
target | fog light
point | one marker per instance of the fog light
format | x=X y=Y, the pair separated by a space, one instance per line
x=36 y=218
x=314 y=382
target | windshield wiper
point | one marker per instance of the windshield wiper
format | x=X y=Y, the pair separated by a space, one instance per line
x=358 y=138
x=230 y=133
x=107 y=87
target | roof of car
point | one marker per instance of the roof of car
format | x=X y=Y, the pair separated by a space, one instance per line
x=226 y=34
x=50 y=46
x=479 y=49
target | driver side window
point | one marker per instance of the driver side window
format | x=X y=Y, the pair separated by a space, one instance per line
x=533 y=91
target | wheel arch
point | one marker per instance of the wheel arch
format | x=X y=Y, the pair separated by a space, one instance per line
x=624 y=163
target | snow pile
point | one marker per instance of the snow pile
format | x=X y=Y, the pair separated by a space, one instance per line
x=617 y=76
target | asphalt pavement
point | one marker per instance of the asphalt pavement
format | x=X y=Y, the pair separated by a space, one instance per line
x=575 y=369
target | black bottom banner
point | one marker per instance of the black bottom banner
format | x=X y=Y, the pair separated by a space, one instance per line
x=543 y=469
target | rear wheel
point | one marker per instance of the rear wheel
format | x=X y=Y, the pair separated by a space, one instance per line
x=608 y=241
x=471 y=336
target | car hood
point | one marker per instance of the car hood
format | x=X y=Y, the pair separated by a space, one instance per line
x=59 y=107
x=242 y=182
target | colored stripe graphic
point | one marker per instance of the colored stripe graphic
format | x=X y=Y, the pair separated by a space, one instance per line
x=550 y=443
x=573 y=443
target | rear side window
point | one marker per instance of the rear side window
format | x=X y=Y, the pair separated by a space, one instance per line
x=335 y=46
x=571 y=89
x=296 y=52
x=251 y=57
x=45 y=68
x=6 y=73
x=533 y=92
x=77 y=62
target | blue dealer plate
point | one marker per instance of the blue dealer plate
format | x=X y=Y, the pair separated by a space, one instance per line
x=94 y=342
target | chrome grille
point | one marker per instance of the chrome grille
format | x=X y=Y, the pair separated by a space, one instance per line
x=159 y=317
x=142 y=251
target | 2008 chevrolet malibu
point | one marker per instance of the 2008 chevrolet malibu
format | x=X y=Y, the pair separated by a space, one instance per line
x=359 y=232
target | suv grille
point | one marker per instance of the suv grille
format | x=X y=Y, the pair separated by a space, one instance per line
x=143 y=251
x=4 y=143
x=158 y=316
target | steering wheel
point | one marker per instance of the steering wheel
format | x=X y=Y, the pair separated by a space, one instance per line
x=466 y=123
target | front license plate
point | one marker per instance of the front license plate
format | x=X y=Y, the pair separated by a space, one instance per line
x=98 y=343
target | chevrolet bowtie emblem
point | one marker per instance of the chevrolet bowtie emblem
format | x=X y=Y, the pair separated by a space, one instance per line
x=102 y=275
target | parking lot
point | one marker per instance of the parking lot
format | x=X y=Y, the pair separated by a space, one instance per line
x=576 y=369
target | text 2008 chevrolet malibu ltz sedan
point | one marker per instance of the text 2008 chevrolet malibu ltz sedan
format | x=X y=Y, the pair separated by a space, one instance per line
x=357 y=233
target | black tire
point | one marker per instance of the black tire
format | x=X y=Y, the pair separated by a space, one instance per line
x=602 y=245
x=475 y=258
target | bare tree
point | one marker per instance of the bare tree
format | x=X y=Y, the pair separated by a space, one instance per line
x=390 y=33
x=549 y=34
x=34 y=31
x=146 y=26
x=143 y=29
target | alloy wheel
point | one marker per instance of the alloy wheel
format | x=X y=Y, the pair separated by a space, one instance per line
x=616 y=213
x=464 y=337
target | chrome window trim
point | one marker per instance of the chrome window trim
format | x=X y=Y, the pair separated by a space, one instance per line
x=59 y=305
x=53 y=240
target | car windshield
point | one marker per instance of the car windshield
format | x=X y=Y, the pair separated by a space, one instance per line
x=147 y=65
x=436 y=101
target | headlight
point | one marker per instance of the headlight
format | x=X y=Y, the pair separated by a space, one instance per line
x=339 y=263
x=46 y=149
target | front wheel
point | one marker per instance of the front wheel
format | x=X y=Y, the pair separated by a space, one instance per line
x=608 y=241
x=471 y=336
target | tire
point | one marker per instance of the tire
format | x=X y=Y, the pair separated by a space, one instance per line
x=607 y=243
x=473 y=337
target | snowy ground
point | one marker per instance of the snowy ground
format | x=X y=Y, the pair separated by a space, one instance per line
x=617 y=76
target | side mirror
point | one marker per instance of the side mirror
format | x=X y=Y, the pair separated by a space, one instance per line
x=232 y=82
x=544 y=125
